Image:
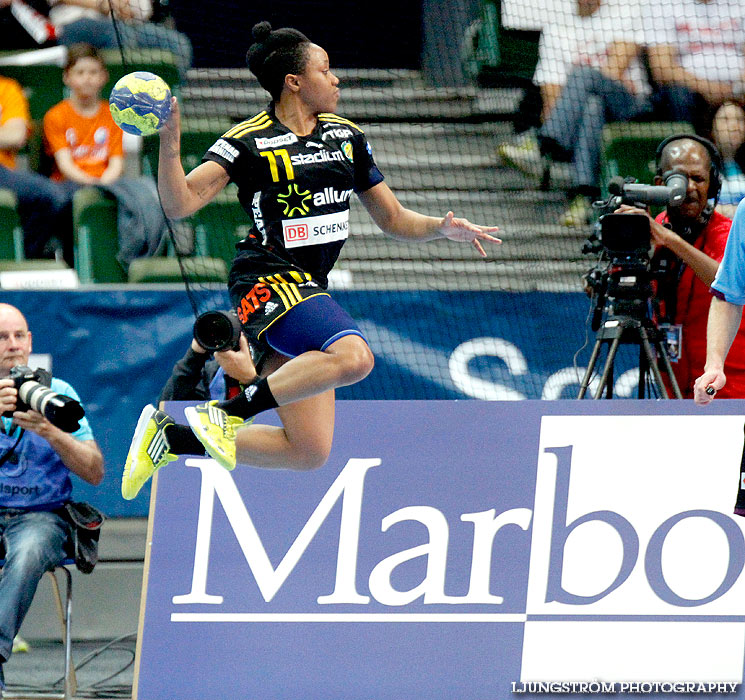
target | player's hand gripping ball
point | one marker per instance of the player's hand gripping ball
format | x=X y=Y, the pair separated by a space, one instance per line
x=140 y=103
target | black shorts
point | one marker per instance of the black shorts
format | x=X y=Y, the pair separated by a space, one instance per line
x=289 y=313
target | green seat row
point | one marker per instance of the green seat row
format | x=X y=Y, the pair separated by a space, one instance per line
x=43 y=84
x=629 y=148
x=217 y=227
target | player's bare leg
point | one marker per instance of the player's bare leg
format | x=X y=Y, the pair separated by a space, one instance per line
x=346 y=361
x=302 y=442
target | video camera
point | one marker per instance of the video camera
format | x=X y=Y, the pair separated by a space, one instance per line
x=34 y=393
x=622 y=278
x=621 y=281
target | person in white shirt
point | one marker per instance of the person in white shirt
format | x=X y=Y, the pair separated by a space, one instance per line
x=90 y=22
x=589 y=73
x=697 y=59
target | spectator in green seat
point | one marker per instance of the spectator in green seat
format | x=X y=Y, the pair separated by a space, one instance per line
x=43 y=206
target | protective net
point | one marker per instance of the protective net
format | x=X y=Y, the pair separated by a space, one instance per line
x=516 y=114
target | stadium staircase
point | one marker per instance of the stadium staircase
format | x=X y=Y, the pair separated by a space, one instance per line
x=437 y=148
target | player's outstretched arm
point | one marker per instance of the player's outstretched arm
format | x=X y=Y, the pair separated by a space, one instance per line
x=399 y=222
x=724 y=320
x=183 y=194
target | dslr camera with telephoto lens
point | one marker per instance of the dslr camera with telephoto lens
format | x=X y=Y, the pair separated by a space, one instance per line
x=34 y=393
x=218 y=330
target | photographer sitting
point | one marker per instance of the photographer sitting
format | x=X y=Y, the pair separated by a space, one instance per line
x=36 y=458
x=689 y=242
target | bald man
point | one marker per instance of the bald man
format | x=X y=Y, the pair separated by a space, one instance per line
x=36 y=460
x=689 y=242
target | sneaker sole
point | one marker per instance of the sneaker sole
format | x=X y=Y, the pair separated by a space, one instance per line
x=144 y=419
x=534 y=171
x=192 y=418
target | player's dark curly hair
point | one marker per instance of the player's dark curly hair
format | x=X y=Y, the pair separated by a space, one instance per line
x=274 y=54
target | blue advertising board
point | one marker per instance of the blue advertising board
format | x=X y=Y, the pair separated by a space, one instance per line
x=117 y=347
x=456 y=549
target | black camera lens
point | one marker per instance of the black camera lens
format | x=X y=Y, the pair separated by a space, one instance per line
x=218 y=330
x=60 y=410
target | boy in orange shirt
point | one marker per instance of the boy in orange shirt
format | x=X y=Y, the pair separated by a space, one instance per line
x=79 y=133
x=86 y=147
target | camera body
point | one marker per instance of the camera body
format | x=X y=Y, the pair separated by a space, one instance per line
x=218 y=330
x=34 y=393
x=622 y=279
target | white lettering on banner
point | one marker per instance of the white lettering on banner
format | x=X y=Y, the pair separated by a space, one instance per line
x=283 y=140
x=312 y=230
x=627 y=534
x=348 y=487
x=516 y=365
x=480 y=388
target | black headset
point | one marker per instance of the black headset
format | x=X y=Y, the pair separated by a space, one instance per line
x=715 y=172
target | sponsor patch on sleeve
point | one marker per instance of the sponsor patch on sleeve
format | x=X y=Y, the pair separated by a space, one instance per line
x=223 y=149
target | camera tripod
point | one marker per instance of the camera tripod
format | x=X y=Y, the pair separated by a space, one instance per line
x=642 y=332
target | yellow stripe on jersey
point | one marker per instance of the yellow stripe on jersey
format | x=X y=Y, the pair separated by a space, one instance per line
x=335 y=119
x=298 y=277
x=247 y=122
x=250 y=125
x=292 y=289
x=280 y=289
x=258 y=127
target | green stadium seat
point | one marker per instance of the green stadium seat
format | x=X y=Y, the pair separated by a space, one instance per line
x=11 y=233
x=31 y=265
x=42 y=86
x=496 y=56
x=629 y=148
x=94 y=216
x=197 y=135
x=158 y=61
x=159 y=270
x=218 y=227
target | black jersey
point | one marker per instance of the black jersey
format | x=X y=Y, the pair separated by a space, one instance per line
x=296 y=189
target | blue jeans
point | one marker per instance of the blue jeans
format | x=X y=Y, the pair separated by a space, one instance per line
x=145 y=35
x=588 y=101
x=45 y=210
x=34 y=543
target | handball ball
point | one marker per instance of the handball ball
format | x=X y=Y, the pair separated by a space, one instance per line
x=140 y=103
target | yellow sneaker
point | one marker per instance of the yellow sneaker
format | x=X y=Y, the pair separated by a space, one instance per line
x=148 y=451
x=20 y=645
x=215 y=429
x=578 y=214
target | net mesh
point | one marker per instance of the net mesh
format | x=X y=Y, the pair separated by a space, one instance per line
x=455 y=99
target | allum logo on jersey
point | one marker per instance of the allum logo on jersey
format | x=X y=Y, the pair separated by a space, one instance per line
x=331 y=196
x=283 y=140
